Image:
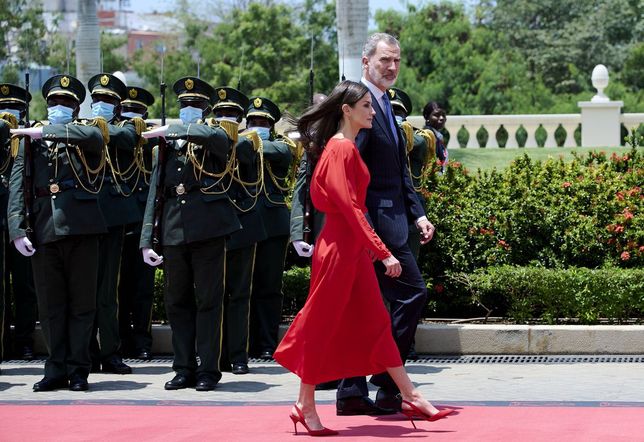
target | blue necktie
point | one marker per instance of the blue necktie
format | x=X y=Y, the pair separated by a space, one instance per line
x=390 y=117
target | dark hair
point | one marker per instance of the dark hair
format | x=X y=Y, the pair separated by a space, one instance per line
x=430 y=107
x=320 y=122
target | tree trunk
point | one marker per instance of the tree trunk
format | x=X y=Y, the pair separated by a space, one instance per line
x=352 y=17
x=88 y=46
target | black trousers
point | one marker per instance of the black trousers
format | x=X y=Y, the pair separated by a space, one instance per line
x=406 y=296
x=266 y=297
x=194 y=292
x=135 y=294
x=239 y=276
x=106 y=341
x=65 y=279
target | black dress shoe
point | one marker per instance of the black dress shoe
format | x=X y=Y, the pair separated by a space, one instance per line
x=77 y=383
x=205 y=383
x=353 y=406
x=240 y=368
x=180 y=381
x=144 y=354
x=389 y=400
x=115 y=365
x=50 y=384
x=27 y=353
x=266 y=354
x=331 y=385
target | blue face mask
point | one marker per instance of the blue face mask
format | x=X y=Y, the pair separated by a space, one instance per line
x=227 y=119
x=190 y=114
x=14 y=112
x=103 y=109
x=131 y=115
x=263 y=132
x=60 y=114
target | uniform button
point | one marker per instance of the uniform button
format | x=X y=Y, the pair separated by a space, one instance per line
x=178 y=169
x=49 y=164
x=51 y=180
x=140 y=189
x=53 y=197
x=183 y=201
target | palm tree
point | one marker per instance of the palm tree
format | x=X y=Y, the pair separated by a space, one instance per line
x=88 y=46
x=352 y=18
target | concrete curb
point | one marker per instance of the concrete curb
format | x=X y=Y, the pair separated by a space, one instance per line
x=492 y=339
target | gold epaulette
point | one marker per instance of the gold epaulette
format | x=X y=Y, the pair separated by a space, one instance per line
x=230 y=127
x=140 y=126
x=408 y=129
x=430 y=138
x=12 y=122
x=291 y=144
x=99 y=122
x=254 y=138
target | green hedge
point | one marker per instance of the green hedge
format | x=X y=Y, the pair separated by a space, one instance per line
x=525 y=294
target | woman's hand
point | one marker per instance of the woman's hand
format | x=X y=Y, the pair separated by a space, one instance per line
x=392 y=266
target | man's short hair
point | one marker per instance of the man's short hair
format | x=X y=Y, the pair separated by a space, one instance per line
x=369 y=47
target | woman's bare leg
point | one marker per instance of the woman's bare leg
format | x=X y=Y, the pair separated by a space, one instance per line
x=408 y=391
x=306 y=403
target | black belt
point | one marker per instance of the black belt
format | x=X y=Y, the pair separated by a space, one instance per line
x=55 y=188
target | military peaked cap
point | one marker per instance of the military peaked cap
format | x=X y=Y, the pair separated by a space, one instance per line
x=64 y=85
x=193 y=88
x=107 y=84
x=138 y=95
x=227 y=97
x=263 y=107
x=10 y=93
x=400 y=98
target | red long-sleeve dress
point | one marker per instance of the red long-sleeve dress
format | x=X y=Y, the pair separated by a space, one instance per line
x=344 y=329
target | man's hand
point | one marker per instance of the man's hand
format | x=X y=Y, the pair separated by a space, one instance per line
x=427 y=230
x=157 y=132
x=392 y=266
x=24 y=246
x=33 y=132
x=302 y=248
x=150 y=257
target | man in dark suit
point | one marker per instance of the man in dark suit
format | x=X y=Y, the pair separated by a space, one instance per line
x=62 y=235
x=197 y=217
x=391 y=204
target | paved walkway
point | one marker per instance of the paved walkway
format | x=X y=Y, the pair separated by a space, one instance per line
x=574 y=384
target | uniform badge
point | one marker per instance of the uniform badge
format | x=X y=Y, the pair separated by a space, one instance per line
x=257 y=102
x=392 y=93
x=189 y=84
x=181 y=189
x=222 y=94
x=105 y=80
x=53 y=188
x=4 y=89
x=133 y=93
x=64 y=82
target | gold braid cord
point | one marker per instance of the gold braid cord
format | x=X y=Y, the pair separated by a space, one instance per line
x=430 y=139
x=253 y=136
x=409 y=135
x=296 y=151
x=230 y=127
x=93 y=173
x=12 y=121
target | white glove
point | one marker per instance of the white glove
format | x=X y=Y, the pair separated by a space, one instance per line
x=302 y=248
x=157 y=132
x=150 y=257
x=33 y=132
x=24 y=246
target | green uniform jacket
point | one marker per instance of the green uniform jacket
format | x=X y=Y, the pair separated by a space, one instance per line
x=5 y=171
x=418 y=158
x=245 y=198
x=272 y=201
x=118 y=206
x=297 y=207
x=71 y=211
x=193 y=215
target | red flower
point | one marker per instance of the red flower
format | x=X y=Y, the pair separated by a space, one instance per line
x=439 y=288
x=620 y=196
x=566 y=184
x=625 y=256
x=627 y=213
x=504 y=244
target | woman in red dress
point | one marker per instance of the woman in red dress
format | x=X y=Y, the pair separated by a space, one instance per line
x=344 y=329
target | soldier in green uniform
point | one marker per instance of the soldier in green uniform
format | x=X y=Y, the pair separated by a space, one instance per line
x=17 y=282
x=420 y=151
x=136 y=281
x=196 y=218
x=277 y=157
x=62 y=233
x=119 y=209
x=240 y=247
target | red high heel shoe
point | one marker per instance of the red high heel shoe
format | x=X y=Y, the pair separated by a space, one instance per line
x=300 y=418
x=414 y=411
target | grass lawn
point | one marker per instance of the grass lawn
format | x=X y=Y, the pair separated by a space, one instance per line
x=499 y=158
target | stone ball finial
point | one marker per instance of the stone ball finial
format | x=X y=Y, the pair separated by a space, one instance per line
x=599 y=79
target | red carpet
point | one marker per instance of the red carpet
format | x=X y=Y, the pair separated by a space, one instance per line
x=271 y=423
